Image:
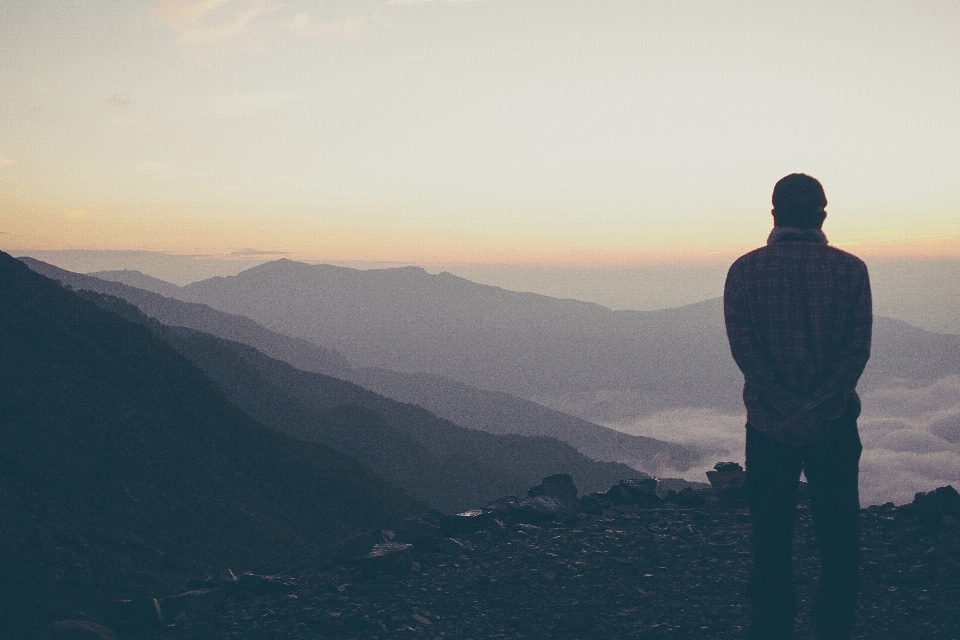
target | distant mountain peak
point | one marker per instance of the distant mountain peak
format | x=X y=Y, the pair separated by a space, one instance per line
x=134 y=278
x=273 y=267
x=285 y=266
x=407 y=269
x=280 y=263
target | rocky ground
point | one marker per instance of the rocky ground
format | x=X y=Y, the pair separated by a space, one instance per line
x=623 y=565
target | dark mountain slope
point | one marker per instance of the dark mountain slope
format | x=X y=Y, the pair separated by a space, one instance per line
x=170 y=311
x=122 y=467
x=503 y=413
x=433 y=459
x=455 y=401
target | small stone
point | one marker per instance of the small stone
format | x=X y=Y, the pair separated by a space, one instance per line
x=228 y=576
x=387 y=548
x=420 y=619
x=450 y=546
x=467 y=522
x=388 y=556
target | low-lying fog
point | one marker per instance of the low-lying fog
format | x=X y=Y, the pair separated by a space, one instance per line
x=910 y=434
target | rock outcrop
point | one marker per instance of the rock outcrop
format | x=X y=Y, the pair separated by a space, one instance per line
x=728 y=479
x=635 y=560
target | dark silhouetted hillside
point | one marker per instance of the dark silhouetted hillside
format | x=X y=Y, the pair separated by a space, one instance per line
x=123 y=468
x=503 y=413
x=433 y=459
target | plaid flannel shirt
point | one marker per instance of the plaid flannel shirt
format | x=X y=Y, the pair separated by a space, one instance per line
x=799 y=320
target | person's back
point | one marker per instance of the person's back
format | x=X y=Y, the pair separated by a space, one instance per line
x=798 y=317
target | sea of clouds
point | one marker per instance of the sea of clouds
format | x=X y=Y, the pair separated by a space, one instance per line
x=910 y=435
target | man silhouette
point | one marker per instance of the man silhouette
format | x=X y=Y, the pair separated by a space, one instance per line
x=799 y=320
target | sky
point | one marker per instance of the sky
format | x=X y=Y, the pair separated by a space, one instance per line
x=481 y=132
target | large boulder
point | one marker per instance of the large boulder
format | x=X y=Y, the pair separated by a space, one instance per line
x=728 y=479
x=559 y=486
x=936 y=507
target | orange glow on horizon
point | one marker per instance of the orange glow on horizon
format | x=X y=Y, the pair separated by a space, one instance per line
x=567 y=242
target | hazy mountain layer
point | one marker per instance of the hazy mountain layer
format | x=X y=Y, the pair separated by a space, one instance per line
x=526 y=344
x=139 y=280
x=594 y=362
x=435 y=460
x=495 y=412
x=122 y=467
x=170 y=311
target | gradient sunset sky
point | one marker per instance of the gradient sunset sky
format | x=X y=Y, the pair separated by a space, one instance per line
x=486 y=131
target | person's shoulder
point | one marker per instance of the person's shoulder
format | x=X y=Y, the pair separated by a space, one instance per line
x=747 y=258
x=851 y=261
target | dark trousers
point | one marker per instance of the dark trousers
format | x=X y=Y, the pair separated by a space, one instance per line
x=773 y=473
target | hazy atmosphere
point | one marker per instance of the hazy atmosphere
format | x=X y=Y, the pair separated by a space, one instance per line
x=486 y=131
x=411 y=319
x=615 y=153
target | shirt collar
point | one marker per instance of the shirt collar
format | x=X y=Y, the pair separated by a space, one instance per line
x=793 y=234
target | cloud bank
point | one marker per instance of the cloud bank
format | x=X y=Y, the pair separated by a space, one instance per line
x=910 y=434
x=210 y=22
x=210 y=25
x=248 y=253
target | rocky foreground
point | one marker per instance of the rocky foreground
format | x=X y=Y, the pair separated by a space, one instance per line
x=631 y=563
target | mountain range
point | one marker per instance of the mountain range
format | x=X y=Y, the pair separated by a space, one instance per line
x=581 y=358
x=146 y=438
x=463 y=404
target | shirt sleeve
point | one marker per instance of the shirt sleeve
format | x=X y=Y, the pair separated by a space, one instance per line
x=746 y=352
x=854 y=352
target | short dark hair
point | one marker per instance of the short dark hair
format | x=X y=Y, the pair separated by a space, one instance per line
x=798 y=200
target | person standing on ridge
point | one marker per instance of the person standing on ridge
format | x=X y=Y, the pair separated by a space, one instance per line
x=799 y=320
